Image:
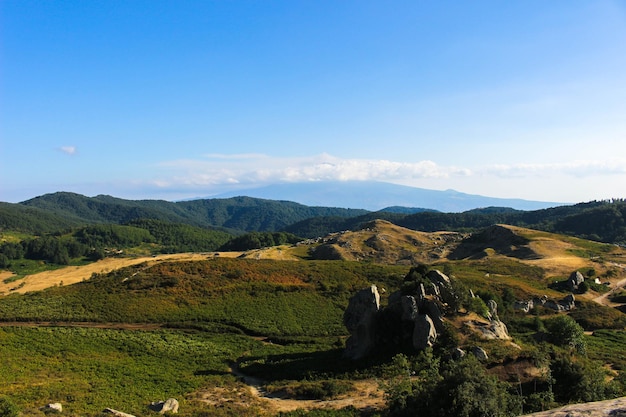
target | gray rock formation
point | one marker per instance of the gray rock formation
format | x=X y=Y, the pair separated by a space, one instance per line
x=442 y=286
x=524 y=306
x=424 y=333
x=413 y=318
x=431 y=308
x=493 y=309
x=162 y=407
x=565 y=304
x=457 y=353
x=56 y=407
x=359 y=320
x=409 y=308
x=574 y=280
x=480 y=353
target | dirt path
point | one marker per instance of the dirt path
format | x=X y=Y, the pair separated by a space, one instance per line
x=604 y=298
x=93 y=325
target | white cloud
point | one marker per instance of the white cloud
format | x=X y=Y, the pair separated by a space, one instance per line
x=70 y=150
x=557 y=181
x=257 y=169
x=580 y=168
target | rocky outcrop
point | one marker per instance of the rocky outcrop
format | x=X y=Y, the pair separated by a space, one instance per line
x=574 y=280
x=567 y=303
x=480 y=353
x=359 y=319
x=494 y=328
x=162 y=407
x=412 y=319
x=424 y=333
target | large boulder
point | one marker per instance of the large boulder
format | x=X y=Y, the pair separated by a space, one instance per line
x=359 y=319
x=442 y=286
x=480 y=353
x=424 y=332
x=362 y=304
x=431 y=308
x=53 y=407
x=493 y=309
x=574 y=280
x=162 y=407
x=409 y=308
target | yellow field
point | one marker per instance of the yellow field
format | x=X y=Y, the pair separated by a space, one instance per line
x=74 y=274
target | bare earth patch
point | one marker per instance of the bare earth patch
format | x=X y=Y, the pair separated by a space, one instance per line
x=366 y=395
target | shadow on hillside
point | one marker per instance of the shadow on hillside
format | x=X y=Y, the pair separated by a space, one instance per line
x=498 y=239
x=296 y=366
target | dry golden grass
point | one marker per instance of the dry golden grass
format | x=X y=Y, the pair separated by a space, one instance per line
x=277 y=253
x=74 y=274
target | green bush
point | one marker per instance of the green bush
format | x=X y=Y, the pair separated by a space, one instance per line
x=7 y=408
x=564 y=331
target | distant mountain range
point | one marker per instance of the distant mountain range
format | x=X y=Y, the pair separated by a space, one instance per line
x=54 y=213
x=374 y=196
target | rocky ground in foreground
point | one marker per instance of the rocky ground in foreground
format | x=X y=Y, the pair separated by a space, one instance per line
x=611 y=408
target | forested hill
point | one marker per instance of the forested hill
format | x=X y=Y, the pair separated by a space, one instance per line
x=60 y=210
x=597 y=220
x=603 y=221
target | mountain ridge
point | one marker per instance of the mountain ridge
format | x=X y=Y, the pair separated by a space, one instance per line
x=375 y=196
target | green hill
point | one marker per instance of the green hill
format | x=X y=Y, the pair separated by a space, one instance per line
x=237 y=213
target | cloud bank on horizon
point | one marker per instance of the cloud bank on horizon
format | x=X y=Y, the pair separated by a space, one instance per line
x=168 y=99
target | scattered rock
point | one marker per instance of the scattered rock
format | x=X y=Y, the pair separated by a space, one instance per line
x=457 y=353
x=524 y=306
x=480 y=353
x=566 y=304
x=116 y=413
x=53 y=407
x=162 y=407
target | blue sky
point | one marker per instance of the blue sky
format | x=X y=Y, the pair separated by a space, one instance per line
x=181 y=98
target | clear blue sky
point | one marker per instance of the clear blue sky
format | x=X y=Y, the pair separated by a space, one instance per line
x=181 y=98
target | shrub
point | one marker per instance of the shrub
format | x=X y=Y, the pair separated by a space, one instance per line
x=564 y=331
x=7 y=408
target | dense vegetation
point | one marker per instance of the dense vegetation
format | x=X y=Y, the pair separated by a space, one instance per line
x=282 y=321
x=199 y=317
x=597 y=220
x=237 y=213
x=100 y=240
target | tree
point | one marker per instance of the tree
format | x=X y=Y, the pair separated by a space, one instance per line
x=580 y=380
x=460 y=388
x=564 y=331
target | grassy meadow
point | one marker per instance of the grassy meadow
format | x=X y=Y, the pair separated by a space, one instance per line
x=279 y=321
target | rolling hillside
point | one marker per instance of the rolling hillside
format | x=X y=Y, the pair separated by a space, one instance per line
x=222 y=325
